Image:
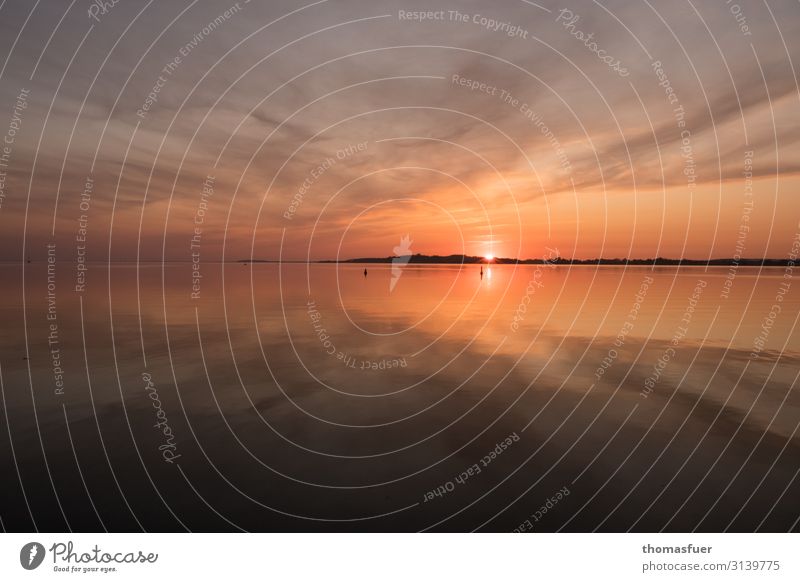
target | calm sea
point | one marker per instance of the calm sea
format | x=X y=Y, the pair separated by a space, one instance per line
x=283 y=397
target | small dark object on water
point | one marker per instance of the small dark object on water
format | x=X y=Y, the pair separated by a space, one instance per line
x=365 y=272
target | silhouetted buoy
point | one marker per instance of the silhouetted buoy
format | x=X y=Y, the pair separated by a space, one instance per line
x=365 y=272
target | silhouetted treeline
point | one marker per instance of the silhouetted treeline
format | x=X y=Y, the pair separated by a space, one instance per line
x=468 y=259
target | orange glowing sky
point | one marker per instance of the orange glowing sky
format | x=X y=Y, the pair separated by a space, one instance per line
x=345 y=127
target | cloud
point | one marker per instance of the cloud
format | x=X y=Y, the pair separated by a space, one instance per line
x=551 y=115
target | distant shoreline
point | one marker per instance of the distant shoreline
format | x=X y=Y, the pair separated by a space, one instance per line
x=468 y=260
x=420 y=259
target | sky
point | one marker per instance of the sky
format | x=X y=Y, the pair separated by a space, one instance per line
x=217 y=130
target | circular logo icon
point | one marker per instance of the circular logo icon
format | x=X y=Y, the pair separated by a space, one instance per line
x=31 y=555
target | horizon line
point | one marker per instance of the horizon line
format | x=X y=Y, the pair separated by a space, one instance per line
x=474 y=259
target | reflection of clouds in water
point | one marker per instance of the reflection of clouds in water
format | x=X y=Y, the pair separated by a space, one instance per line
x=422 y=436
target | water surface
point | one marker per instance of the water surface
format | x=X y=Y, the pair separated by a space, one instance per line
x=313 y=397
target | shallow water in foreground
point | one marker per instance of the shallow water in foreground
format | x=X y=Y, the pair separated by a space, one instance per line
x=311 y=397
